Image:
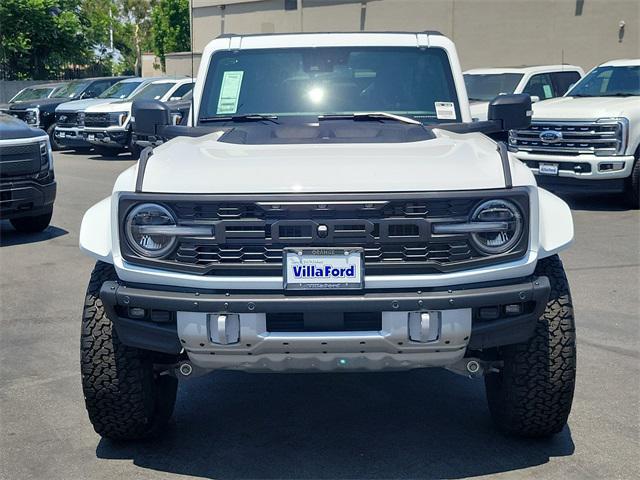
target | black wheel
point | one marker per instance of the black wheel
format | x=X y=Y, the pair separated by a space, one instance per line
x=124 y=397
x=532 y=394
x=32 y=224
x=633 y=185
x=55 y=146
x=134 y=149
x=107 y=151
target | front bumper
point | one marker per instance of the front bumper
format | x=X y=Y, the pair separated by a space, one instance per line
x=581 y=173
x=26 y=198
x=114 y=138
x=230 y=331
x=70 y=137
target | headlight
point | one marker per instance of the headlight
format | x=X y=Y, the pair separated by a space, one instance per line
x=146 y=230
x=503 y=224
x=118 y=118
x=32 y=116
x=44 y=153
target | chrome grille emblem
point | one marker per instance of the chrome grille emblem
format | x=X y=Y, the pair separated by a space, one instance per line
x=551 y=136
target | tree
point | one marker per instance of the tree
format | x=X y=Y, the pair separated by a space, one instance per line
x=170 y=30
x=136 y=13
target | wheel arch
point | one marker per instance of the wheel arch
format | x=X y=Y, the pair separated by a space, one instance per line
x=556 y=224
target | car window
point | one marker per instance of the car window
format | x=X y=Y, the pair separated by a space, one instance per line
x=182 y=90
x=32 y=93
x=563 y=80
x=609 y=81
x=540 y=86
x=121 y=89
x=307 y=82
x=154 y=91
x=487 y=86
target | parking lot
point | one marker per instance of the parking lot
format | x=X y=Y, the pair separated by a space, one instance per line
x=420 y=424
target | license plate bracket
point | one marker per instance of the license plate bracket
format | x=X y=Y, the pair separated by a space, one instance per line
x=548 y=169
x=323 y=268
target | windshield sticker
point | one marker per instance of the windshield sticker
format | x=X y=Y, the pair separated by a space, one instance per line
x=230 y=92
x=547 y=91
x=445 y=110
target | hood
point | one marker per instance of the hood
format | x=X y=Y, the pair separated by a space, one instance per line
x=43 y=104
x=447 y=162
x=586 y=108
x=114 y=106
x=11 y=129
x=81 y=105
x=479 y=110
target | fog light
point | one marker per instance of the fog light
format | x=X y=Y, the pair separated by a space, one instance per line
x=489 y=313
x=513 y=309
x=135 y=312
x=611 y=166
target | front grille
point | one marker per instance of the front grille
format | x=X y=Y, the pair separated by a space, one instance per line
x=67 y=119
x=571 y=138
x=23 y=159
x=96 y=120
x=248 y=237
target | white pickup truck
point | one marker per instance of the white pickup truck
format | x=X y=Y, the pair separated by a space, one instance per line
x=330 y=207
x=541 y=82
x=589 y=140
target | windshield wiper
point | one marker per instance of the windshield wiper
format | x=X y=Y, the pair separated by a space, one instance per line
x=370 y=116
x=619 y=94
x=253 y=117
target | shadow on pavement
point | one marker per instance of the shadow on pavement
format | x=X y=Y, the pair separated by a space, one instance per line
x=597 y=203
x=9 y=236
x=419 y=424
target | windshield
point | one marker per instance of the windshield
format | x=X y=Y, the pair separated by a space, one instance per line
x=608 y=81
x=408 y=81
x=120 y=90
x=72 y=89
x=154 y=91
x=32 y=93
x=486 y=87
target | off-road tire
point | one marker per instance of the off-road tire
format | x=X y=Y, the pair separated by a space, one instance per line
x=532 y=394
x=633 y=184
x=125 y=399
x=55 y=146
x=134 y=149
x=34 y=224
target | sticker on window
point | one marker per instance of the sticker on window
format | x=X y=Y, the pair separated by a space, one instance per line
x=547 y=91
x=445 y=110
x=230 y=92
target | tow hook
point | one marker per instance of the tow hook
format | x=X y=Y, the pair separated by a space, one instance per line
x=474 y=367
x=186 y=369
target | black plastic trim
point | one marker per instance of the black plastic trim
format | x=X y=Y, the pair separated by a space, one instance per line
x=506 y=166
x=142 y=166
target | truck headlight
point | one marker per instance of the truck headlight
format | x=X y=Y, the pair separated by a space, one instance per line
x=44 y=153
x=118 y=118
x=32 y=116
x=504 y=226
x=147 y=228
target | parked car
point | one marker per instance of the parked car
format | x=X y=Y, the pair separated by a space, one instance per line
x=332 y=207
x=34 y=92
x=27 y=181
x=589 y=140
x=41 y=113
x=179 y=111
x=541 y=82
x=70 y=115
x=108 y=127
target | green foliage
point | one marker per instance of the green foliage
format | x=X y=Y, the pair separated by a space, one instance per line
x=170 y=28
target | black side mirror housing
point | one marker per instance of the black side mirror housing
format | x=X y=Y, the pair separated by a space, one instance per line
x=150 y=117
x=512 y=111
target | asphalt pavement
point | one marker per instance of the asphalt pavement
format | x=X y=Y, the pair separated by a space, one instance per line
x=420 y=424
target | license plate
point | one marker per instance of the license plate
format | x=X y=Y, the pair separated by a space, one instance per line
x=62 y=134
x=323 y=268
x=91 y=136
x=548 y=168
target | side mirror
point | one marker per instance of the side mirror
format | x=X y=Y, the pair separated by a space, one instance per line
x=512 y=111
x=535 y=98
x=150 y=116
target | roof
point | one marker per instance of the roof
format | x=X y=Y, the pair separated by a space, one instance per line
x=622 y=62
x=524 y=69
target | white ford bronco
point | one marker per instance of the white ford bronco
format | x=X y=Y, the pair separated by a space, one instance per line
x=330 y=207
x=589 y=140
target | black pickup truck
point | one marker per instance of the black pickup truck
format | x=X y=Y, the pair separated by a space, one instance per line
x=27 y=182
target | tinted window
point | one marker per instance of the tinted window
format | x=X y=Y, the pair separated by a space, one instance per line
x=609 y=81
x=540 y=86
x=563 y=80
x=153 y=91
x=72 y=89
x=32 y=93
x=182 y=90
x=331 y=80
x=486 y=87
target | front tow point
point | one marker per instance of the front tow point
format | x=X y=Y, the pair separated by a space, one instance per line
x=224 y=328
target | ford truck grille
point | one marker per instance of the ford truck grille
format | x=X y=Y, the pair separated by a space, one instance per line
x=96 y=120
x=67 y=119
x=571 y=138
x=248 y=237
